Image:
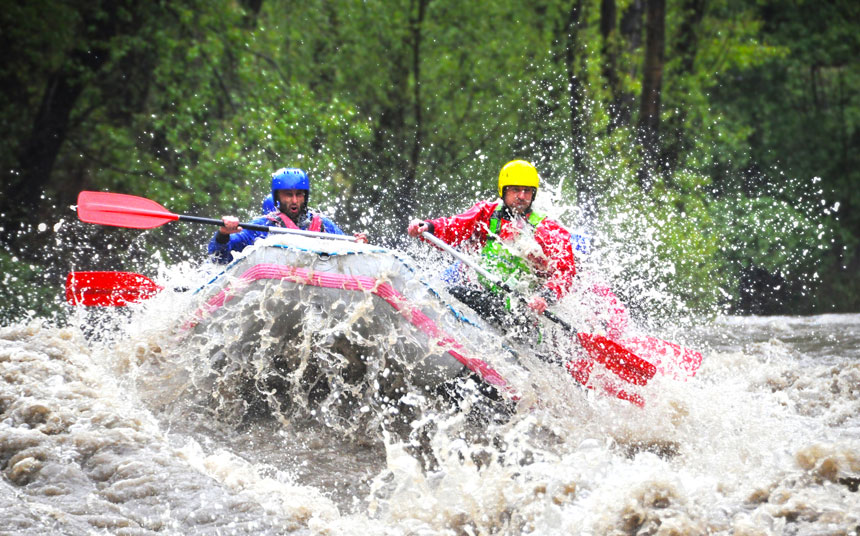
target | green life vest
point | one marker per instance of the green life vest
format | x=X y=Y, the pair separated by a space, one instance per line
x=498 y=259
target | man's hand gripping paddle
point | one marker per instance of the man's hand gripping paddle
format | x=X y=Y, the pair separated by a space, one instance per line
x=619 y=360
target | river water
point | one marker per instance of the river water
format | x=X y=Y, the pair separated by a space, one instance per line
x=100 y=434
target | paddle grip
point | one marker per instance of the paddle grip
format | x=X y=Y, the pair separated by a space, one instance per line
x=198 y=219
x=213 y=221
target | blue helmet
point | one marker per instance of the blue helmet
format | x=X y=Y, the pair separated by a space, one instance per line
x=290 y=179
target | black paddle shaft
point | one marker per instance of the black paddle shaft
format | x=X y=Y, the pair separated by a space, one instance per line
x=266 y=228
x=251 y=226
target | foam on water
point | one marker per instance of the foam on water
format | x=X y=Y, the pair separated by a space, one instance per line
x=80 y=454
x=756 y=444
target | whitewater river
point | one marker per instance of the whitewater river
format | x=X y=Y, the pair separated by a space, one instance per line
x=100 y=435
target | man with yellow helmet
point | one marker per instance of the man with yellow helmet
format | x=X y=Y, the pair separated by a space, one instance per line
x=494 y=228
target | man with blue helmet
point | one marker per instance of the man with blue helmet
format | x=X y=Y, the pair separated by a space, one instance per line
x=290 y=192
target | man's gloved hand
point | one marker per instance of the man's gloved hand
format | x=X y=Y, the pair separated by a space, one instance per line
x=537 y=304
x=416 y=227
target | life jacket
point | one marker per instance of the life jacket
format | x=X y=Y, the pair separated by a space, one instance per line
x=497 y=258
x=315 y=225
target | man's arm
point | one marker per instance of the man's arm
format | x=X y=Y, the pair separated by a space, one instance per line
x=330 y=226
x=230 y=237
x=457 y=228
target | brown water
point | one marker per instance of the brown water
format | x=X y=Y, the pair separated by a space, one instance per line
x=103 y=435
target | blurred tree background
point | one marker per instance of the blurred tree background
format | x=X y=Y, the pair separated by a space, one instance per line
x=719 y=137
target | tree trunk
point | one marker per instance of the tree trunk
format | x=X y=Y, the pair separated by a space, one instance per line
x=687 y=42
x=631 y=24
x=38 y=153
x=576 y=99
x=609 y=50
x=652 y=82
x=397 y=145
x=623 y=101
x=685 y=47
x=407 y=190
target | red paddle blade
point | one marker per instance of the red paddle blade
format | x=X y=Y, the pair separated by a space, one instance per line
x=669 y=358
x=581 y=370
x=122 y=210
x=619 y=360
x=108 y=289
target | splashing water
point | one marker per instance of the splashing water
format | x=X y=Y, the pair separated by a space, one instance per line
x=130 y=422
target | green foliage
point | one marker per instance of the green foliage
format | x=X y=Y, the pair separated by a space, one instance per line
x=770 y=234
x=799 y=101
x=216 y=117
x=35 y=36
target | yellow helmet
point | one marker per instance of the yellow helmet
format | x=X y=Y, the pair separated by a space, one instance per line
x=518 y=173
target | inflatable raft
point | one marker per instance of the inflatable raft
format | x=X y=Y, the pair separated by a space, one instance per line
x=312 y=310
x=338 y=316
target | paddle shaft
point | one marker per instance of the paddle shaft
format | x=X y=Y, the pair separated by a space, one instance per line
x=492 y=278
x=620 y=361
x=266 y=228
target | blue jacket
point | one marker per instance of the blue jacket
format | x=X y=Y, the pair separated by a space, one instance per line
x=221 y=251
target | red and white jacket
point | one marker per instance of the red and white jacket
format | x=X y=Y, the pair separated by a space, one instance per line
x=556 y=265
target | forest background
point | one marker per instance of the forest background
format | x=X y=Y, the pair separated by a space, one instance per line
x=717 y=137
